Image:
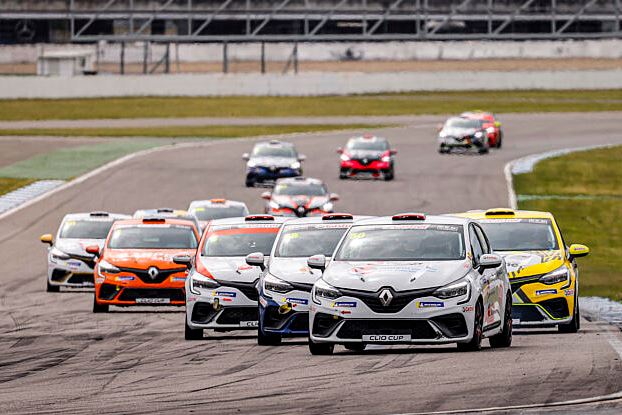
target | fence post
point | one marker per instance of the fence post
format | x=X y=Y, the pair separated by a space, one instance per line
x=263 y=57
x=296 y=57
x=167 y=62
x=122 y=58
x=225 y=58
x=145 y=53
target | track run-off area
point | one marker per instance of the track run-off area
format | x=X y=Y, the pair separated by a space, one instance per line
x=56 y=356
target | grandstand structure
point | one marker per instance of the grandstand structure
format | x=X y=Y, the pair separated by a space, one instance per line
x=29 y=21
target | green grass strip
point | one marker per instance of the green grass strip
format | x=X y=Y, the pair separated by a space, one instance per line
x=9 y=184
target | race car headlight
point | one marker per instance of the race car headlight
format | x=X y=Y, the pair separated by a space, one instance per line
x=272 y=283
x=273 y=205
x=386 y=159
x=295 y=165
x=251 y=163
x=58 y=255
x=344 y=157
x=202 y=284
x=327 y=207
x=107 y=267
x=455 y=289
x=324 y=290
x=554 y=277
x=479 y=134
x=490 y=130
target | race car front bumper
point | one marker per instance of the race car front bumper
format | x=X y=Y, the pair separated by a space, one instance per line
x=539 y=305
x=374 y=169
x=466 y=143
x=124 y=289
x=268 y=174
x=425 y=320
x=284 y=314
x=72 y=273
x=225 y=307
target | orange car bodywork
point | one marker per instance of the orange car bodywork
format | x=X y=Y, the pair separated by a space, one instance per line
x=134 y=281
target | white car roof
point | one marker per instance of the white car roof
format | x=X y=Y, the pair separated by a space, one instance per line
x=320 y=219
x=300 y=180
x=215 y=202
x=433 y=219
x=247 y=221
x=95 y=216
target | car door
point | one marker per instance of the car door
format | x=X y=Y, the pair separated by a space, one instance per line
x=485 y=280
x=495 y=281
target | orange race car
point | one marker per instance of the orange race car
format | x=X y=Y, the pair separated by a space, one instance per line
x=135 y=266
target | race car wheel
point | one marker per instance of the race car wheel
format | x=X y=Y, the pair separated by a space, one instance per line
x=355 y=347
x=475 y=344
x=499 y=139
x=443 y=150
x=192 y=334
x=52 y=288
x=483 y=150
x=504 y=339
x=99 y=308
x=574 y=324
x=389 y=174
x=321 y=349
x=343 y=174
x=249 y=182
x=265 y=339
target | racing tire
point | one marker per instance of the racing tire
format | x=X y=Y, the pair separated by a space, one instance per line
x=500 y=139
x=52 y=288
x=443 y=150
x=355 y=347
x=99 y=308
x=321 y=349
x=504 y=339
x=249 y=182
x=483 y=150
x=343 y=174
x=389 y=175
x=475 y=344
x=264 y=339
x=192 y=334
x=575 y=323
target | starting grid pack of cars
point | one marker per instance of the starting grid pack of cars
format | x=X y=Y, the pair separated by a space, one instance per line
x=338 y=279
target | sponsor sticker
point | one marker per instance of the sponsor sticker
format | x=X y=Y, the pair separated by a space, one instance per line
x=300 y=301
x=191 y=299
x=124 y=279
x=468 y=309
x=546 y=292
x=99 y=280
x=386 y=338
x=263 y=301
x=347 y=304
x=516 y=321
x=430 y=304
x=569 y=293
x=74 y=264
x=178 y=279
x=225 y=294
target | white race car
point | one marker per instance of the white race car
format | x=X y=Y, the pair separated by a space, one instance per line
x=207 y=210
x=221 y=289
x=411 y=279
x=69 y=265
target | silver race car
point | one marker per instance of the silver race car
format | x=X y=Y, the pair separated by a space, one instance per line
x=221 y=289
x=285 y=287
x=411 y=279
x=69 y=265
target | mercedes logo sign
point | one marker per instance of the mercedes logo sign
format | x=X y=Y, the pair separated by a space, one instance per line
x=385 y=297
x=153 y=272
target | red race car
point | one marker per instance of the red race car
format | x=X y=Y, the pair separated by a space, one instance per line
x=490 y=124
x=367 y=156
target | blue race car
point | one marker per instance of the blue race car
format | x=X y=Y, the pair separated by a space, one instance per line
x=271 y=160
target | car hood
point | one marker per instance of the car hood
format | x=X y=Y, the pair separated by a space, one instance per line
x=293 y=270
x=365 y=154
x=294 y=202
x=230 y=269
x=457 y=132
x=527 y=263
x=145 y=258
x=399 y=275
x=77 y=246
x=273 y=161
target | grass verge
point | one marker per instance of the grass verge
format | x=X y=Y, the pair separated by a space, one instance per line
x=593 y=220
x=8 y=184
x=385 y=104
x=216 y=131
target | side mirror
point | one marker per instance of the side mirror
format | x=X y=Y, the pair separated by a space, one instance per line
x=302 y=157
x=93 y=249
x=340 y=150
x=317 y=262
x=578 y=250
x=246 y=157
x=393 y=152
x=334 y=197
x=439 y=127
x=488 y=261
x=266 y=195
x=256 y=259
x=185 y=260
x=47 y=239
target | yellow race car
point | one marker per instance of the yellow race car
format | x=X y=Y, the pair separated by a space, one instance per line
x=543 y=273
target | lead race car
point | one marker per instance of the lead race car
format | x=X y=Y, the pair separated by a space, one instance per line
x=221 y=291
x=69 y=265
x=272 y=160
x=299 y=196
x=463 y=134
x=543 y=272
x=411 y=279
x=285 y=285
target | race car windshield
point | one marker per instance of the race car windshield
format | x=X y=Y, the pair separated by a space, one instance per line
x=209 y=213
x=403 y=243
x=369 y=145
x=299 y=242
x=274 y=151
x=289 y=189
x=239 y=242
x=85 y=229
x=463 y=123
x=153 y=237
x=523 y=235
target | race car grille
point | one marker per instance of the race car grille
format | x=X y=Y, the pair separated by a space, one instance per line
x=300 y=322
x=144 y=276
x=81 y=278
x=324 y=324
x=107 y=292
x=88 y=260
x=131 y=294
x=234 y=315
x=400 y=298
x=452 y=325
x=301 y=287
x=59 y=275
x=203 y=313
x=366 y=161
x=557 y=307
x=297 y=321
x=249 y=289
x=355 y=329
x=526 y=313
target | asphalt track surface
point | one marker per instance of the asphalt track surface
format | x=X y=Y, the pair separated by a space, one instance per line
x=56 y=356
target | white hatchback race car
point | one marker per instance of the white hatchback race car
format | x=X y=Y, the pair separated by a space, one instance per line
x=69 y=265
x=411 y=279
x=221 y=289
x=211 y=209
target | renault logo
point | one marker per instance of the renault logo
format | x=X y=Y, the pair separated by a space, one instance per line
x=153 y=272
x=385 y=297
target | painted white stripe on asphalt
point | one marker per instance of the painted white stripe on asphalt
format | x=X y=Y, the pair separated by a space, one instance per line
x=22 y=195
